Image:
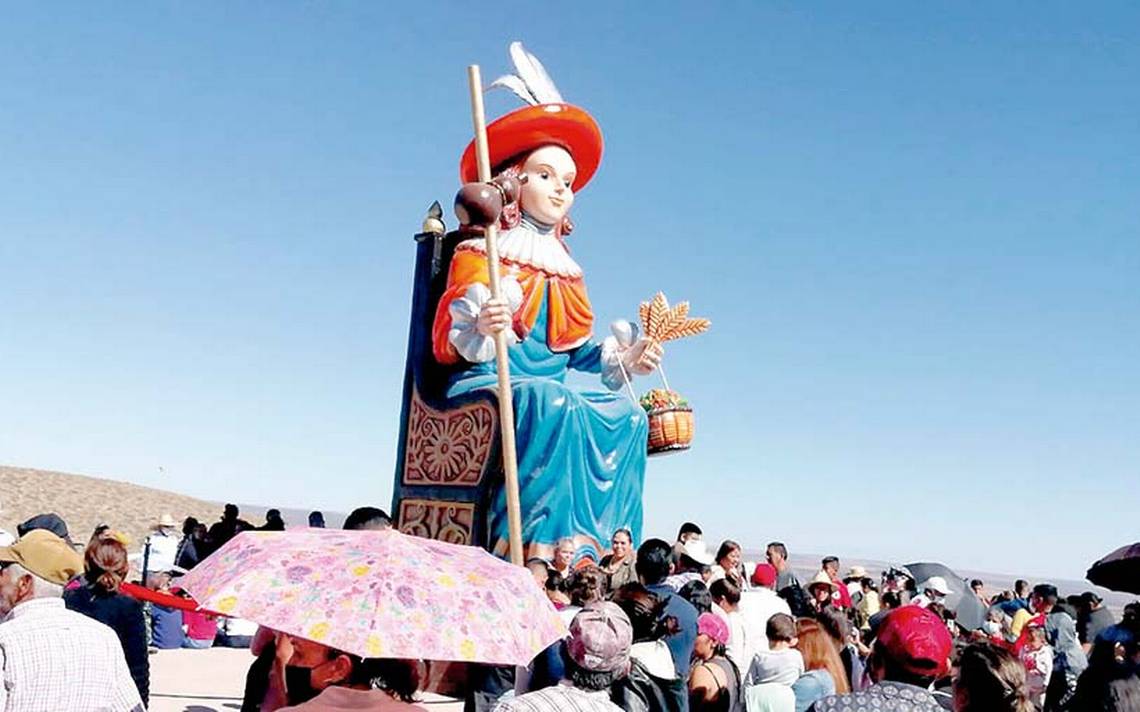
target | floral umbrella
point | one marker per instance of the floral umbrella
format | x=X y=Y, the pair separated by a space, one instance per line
x=380 y=594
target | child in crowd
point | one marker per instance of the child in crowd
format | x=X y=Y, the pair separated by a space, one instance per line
x=1037 y=656
x=782 y=663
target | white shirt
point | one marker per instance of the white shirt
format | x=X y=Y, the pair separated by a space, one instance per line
x=757 y=605
x=163 y=550
x=55 y=659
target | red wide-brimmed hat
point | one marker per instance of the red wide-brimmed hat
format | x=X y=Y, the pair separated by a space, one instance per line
x=533 y=127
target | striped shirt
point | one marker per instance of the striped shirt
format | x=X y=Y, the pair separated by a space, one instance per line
x=54 y=659
x=563 y=697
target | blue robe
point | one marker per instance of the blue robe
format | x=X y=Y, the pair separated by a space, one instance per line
x=581 y=453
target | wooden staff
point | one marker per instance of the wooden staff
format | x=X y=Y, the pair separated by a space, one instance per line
x=502 y=364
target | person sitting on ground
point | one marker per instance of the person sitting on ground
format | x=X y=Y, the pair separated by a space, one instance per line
x=105 y=568
x=320 y=679
x=596 y=657
x=728 y=563
x=367 y=519
x=316 y=520
x=759 y=603
x=563 y=562
x=934 y=590
x=200 y=628
x=824 y=673
x=782 y=663
x=726 y=605
x=273 y=521
x=652 y=684
x=822 y=591
x=693 y=563
x=618 y=564
x=52 y=658
x=654 y=562
x=990 y=679
x=1037 y=657
x=829 y=566
x=911 y=652
x=698 y=594
x=165 y=622
x=715 y=683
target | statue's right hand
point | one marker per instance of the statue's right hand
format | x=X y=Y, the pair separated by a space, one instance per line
x=494 y=316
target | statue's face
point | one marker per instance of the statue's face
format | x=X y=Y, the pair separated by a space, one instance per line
x=546 y=194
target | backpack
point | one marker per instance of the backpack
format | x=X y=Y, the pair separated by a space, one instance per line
x=798 y=600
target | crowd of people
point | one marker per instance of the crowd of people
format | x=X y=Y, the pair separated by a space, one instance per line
x=666 y=626
x=690 y=628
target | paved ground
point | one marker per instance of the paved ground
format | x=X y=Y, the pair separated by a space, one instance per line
x=212 y=681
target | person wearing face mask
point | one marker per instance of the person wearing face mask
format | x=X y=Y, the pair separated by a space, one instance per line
x=320 y=679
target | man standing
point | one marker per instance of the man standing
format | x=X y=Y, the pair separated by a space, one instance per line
x=53 y=658
x=163 y=547
x=777 y=555
x=1069 y=660
x=760 y=603
x=1093 y=620
x=654 y=562
x=911 y=652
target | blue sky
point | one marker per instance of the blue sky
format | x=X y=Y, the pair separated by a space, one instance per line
x=914 y=228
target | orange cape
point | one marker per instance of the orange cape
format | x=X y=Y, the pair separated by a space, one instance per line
x=569 y=318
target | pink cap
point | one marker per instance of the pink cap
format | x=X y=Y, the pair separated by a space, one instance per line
x=711 y=625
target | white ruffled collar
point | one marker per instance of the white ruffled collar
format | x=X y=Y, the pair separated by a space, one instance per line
x=534 y=245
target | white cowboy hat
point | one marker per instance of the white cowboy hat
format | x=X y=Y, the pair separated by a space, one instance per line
x=937 y=584
x=165 y=521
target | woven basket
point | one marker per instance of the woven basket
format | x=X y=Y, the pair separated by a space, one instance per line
x=670 y=429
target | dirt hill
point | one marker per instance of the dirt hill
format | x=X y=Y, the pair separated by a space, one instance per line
x=84 y=502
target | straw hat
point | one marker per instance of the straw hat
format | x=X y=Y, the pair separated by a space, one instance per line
x=822 y=579
x=165 y=521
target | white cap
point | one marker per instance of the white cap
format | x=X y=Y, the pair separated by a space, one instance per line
x=695 y=549
x=937 y=583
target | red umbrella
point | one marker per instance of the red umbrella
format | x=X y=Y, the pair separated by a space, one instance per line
x=1119 y=571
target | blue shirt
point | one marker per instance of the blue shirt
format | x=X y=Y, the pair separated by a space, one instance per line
x=680 y=643
x=166 y=627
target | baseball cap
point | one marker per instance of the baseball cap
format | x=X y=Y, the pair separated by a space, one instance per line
x=937 y=583
x=45 y=555
x=764 y=575
x=51 y=521
x=711 y=625
x=916 y=640
x=600 y=637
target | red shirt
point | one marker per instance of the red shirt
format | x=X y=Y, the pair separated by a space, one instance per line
x=199 y=626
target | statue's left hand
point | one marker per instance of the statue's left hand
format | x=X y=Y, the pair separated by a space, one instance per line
x=643 y=357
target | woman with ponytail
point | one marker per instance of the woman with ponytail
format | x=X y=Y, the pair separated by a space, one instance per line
x=105 y=569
